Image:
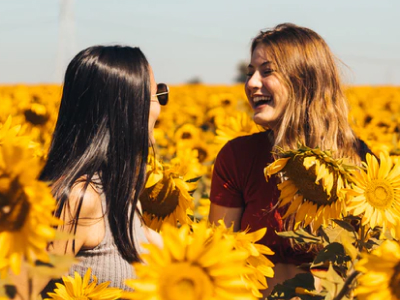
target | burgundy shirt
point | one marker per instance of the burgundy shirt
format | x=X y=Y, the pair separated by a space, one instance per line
x=238 y=181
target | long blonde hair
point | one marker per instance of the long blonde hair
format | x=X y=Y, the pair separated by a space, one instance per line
x=317 y=111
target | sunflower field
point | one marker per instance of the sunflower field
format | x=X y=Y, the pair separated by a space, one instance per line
x=351 y=214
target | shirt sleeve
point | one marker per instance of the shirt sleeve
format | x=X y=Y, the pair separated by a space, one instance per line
x=225 y=186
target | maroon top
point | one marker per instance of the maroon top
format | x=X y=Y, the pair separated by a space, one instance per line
x=238 y=181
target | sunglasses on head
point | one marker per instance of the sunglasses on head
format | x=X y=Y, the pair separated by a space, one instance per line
x=162 y=93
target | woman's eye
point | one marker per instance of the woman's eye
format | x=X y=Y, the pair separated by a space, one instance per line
x=268 y=72
x=249 y=74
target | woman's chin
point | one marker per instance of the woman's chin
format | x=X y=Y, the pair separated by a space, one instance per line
x=260 y=120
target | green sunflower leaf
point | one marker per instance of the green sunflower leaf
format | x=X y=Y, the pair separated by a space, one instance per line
x=344 y=225
x=323 y=234
x=302 y=286
x=301 y=236
x=333 y=253
x=7 y=289
x=11 y=290
x=194 y=179
x=352 y=218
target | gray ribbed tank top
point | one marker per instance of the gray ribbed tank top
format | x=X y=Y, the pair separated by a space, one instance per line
x=105 y=260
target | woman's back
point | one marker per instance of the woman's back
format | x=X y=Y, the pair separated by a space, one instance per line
x=106 y=262
x=94 y=238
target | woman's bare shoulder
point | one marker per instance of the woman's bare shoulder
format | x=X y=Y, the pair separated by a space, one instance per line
x=86 y=199
x=82 y=215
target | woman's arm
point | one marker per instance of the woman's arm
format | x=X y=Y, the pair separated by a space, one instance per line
x=226 y=192
x=152 y=236
x=90 y=229
x=228 y=214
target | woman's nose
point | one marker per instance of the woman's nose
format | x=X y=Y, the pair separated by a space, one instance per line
x=254 y=82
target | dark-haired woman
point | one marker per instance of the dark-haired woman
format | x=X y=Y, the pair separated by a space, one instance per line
x=97 y=159
x=294 y=89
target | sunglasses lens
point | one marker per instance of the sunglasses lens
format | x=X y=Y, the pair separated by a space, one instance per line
x=162 y=93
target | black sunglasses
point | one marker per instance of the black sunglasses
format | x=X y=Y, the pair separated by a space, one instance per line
x=162 y=93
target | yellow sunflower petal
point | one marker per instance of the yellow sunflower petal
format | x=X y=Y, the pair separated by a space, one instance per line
x=275 y=167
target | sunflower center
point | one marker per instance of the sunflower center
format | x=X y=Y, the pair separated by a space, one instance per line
x=379 y=194
x=14 y=207
x=36 y=115
x=186 y=136
x=202 y=154
x=161 y=199
x=187 y=281
x=304 y=180
x=395 y=281
x=226 y=102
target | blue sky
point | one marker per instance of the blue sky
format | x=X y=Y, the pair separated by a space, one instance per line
x=188 y=39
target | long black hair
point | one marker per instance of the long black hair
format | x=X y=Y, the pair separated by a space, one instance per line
x=102 y=129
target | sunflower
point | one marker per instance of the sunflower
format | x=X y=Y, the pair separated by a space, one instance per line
x=375 y=194
x=37 y=114
x=193 y=138
x=231 y=127
x=166 y=197
x=26 y=206
x=15 y=134
x=187 y=164
x=203 y=208
x=312 y=186
x=187 y=132
x=261 y=266
x=380 y=279
x=205 y=151
x=191 y=266
x=80 y=289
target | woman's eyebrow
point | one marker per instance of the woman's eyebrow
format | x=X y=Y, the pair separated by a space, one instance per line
x=267 y=62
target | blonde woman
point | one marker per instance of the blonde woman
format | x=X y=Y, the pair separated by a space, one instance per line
x=294 y=89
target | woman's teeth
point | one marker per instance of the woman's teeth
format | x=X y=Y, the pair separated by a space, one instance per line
x=258 y=100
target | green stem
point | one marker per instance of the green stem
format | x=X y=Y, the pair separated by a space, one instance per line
x=346 y=287
x=30 y=289
x=362 y=238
